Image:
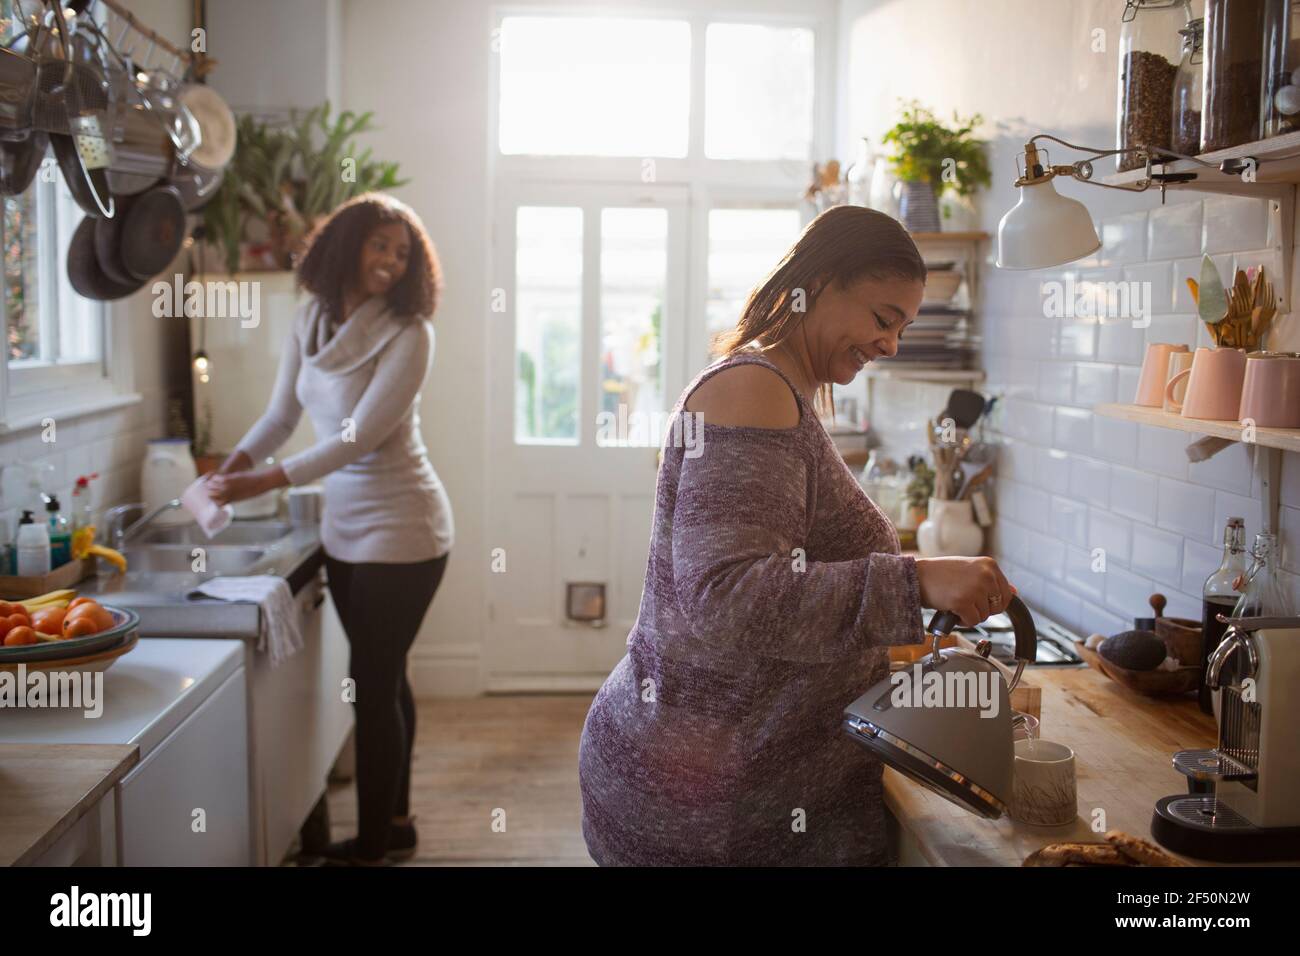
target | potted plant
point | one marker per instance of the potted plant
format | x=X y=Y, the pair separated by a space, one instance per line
x=931 y=158
x=284 y=179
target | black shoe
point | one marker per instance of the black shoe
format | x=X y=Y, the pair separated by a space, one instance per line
x=402 y=841
x=344 y=853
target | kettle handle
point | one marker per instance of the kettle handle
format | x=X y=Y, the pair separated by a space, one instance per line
x=1022 y=623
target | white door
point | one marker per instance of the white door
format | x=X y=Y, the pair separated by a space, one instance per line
x=588 y=346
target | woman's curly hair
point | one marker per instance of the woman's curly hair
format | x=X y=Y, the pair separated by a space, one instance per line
x=328 y=265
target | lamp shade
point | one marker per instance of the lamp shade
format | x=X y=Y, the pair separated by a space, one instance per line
x=1045 y=229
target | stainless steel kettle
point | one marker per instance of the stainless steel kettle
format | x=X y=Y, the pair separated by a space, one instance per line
x=946 y=721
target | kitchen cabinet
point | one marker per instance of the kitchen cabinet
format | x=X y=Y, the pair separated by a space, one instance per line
x=183 y=705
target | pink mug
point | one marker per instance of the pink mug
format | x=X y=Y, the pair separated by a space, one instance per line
x=1213 y=385
x=1155 y=373
x=1270 y=394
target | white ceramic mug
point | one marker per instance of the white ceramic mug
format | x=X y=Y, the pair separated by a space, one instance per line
x=1044 y=792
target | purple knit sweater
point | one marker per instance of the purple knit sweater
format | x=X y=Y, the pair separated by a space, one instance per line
x=772 y=587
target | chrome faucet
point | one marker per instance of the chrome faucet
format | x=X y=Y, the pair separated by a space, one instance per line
x=121 y=537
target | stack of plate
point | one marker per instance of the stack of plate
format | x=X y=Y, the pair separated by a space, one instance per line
x=94 y=652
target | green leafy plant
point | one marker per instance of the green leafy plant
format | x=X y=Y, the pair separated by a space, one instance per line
x=921 y=488
x=926 y=150
x=286 y=177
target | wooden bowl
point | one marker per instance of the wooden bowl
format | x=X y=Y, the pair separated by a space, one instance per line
x=1153 y=683
x=1182 y=637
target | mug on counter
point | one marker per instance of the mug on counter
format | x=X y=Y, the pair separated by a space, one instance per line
x=1178 y=362
x=1214 y=385
x=1044 y=789
x=1270 y=394
x=1155 y=373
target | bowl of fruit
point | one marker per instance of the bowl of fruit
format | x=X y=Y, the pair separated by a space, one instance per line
x=60 y=629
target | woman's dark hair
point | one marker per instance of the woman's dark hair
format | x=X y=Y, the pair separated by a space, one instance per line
x=328 y=265
x=842 y=245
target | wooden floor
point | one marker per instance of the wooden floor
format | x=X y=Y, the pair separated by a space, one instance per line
x=515 y=754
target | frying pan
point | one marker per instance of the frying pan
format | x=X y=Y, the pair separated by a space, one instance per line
x=152 y=232
x=17 y=94
x=108 y=244
x=87 y=278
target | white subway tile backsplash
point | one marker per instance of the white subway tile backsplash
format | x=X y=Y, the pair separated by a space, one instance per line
x=1090 y=481
x=1199 y=562
x=1178 y=329
x=1156 y=285
x=1077 y=339
x=1229 y=470
x=1163 y=450
x=1174 y=230
x=1118 y=341
x=1052 y=470
x=1094 y=384
x=1234 y=222
x=1083 y=482
x=1114 y=440
x=1069 y=521
x=1186 y=509
x=1133 y=493
x=1124 y=238
x=1111 y=533
x=1080 y=573
x=1016 y=460
x=1048 y=555
x=1157 y=554
x=1128 y=594
x=1073 y=430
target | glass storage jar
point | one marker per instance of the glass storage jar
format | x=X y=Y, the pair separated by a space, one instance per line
x=1149 y=48
x=1234 y=55
x=1185 y=121
x=1279 y=101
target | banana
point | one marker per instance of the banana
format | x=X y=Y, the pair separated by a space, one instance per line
x=49 y=598
x=111 y=555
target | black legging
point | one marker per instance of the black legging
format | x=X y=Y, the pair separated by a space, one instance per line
x=381 y=607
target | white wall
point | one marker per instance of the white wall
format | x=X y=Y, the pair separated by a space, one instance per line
x=1071 y=481
x=112 y=443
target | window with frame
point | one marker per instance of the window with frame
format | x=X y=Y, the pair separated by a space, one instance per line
x=727 y=108
x=55 y=340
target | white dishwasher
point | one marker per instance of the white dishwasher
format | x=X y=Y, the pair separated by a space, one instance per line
x=184 y=704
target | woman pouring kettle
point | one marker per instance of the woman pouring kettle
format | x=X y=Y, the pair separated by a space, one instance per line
x=772 y=589
x=356 y=358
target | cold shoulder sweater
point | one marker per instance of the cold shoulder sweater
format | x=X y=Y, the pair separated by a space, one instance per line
x=772 y=587
x=360 y=383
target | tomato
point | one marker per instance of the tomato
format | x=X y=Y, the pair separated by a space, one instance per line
x=21 y=635
x=49 y=622
x=79 y=627
x=101 y=619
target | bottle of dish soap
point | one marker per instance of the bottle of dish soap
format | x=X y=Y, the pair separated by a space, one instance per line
x=60 y=533
x=33 y=547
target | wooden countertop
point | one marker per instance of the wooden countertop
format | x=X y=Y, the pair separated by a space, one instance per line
x=46 y=788
x=1122 y=742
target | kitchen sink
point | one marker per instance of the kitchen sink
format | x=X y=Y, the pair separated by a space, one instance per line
x=216 y=559
x=239 y=533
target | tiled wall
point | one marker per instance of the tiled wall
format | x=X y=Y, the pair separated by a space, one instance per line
x=1071 y=481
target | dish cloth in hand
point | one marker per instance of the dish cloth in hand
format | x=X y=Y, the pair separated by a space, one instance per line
x=278 y=632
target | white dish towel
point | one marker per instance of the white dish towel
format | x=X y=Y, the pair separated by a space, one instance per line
x=278 y=633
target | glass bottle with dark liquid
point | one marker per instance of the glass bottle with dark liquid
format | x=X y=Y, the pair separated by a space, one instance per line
x=1219 y=596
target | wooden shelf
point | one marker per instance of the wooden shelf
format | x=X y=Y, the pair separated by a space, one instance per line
x=1272 y=168
x=1288 y=439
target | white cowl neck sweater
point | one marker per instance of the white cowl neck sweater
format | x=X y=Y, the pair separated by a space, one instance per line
x=360 y=384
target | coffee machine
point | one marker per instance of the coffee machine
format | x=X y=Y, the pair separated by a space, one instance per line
x=1243 y=799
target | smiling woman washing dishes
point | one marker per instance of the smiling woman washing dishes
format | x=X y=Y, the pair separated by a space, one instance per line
x=772 y=589
x=356 y=357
